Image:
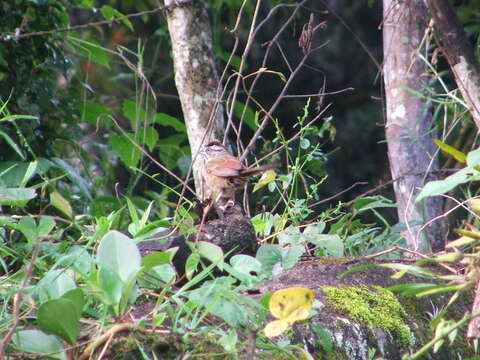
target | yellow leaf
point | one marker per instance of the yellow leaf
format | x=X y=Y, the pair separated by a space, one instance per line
x=461 y=241
x=267 y=178
x=291 y=304
x=275 y=328
x=62 y=204
x=450 y=150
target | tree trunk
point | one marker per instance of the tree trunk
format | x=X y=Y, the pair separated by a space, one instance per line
x=459 y=53
x=196 y=77
x=408 y=123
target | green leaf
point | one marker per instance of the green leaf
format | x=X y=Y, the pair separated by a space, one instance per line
x=60 y=203
x=248 y=115
x=412 y=289
x=332 y=244
x=77 y=298
x=28 y=227
x=119 y=253
x=89 y=48
x=473 y=158
x=212 y=252
x=290 y=256
x=55 y=284
x=440 y=187
x=60 y=317
x=450 y=150
x=269 y=255
x=324 y=337
x=133 y=112
x=12 y=144
x=110 y=13
x=129 y=153
x=157 y=258
x=266 y=178
x=191 y=265
x=111 y=284
x=45 y=225
x=16 y=196
x=169 y=154
x=29 y=172
x=95 y=114
x=167 y=120
x=37 y=342
x=149 y=137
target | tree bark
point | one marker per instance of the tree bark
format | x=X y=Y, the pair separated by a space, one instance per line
x=196 y=76
x=408 y=123
x=459 y=53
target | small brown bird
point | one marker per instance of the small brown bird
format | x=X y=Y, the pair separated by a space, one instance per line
x=222 y=174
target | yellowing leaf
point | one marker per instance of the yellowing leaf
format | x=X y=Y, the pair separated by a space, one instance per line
x=275 y=328
x=462 y=241
x=267 y=178
x=293 y=303
x=62 y=204
x=288 y=305
x=450 y=150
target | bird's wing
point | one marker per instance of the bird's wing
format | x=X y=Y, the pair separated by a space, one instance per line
x=226 y=166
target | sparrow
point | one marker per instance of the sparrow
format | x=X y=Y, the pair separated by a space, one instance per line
x=222 y=174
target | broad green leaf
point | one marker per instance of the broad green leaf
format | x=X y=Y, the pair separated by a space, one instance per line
x=128 y=152
x=249 y=115
x=245 y=264
x=37 y=342
x=45 y=225
x=157 y=258
x=77 y=298
x=119 y=253
x=60 y=317
x=28 y=227
x=269 y=255
x=149 y=136
x=129 y=292
x=450 y=150
x=111 y=284
x=136 y=114
x=212 y=252
x=290 y=236
x=89 y=48
x=55 y=284
x=473 y=158
x=95 y=114
x=165 y=272
x=332 y=244
x=191 y=265
x=440 y=187
x=324 y=337
x=290 y=256
x=16 y=196
x=60 y=203
x=110 y=13
x=167 y=120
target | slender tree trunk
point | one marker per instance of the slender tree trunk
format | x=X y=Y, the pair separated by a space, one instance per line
x=459 y=53
x=408 y=126
x=196 y=76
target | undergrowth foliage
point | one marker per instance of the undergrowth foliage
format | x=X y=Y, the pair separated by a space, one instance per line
x=85 y=178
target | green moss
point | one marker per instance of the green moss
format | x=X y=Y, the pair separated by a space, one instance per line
x=373 y=307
